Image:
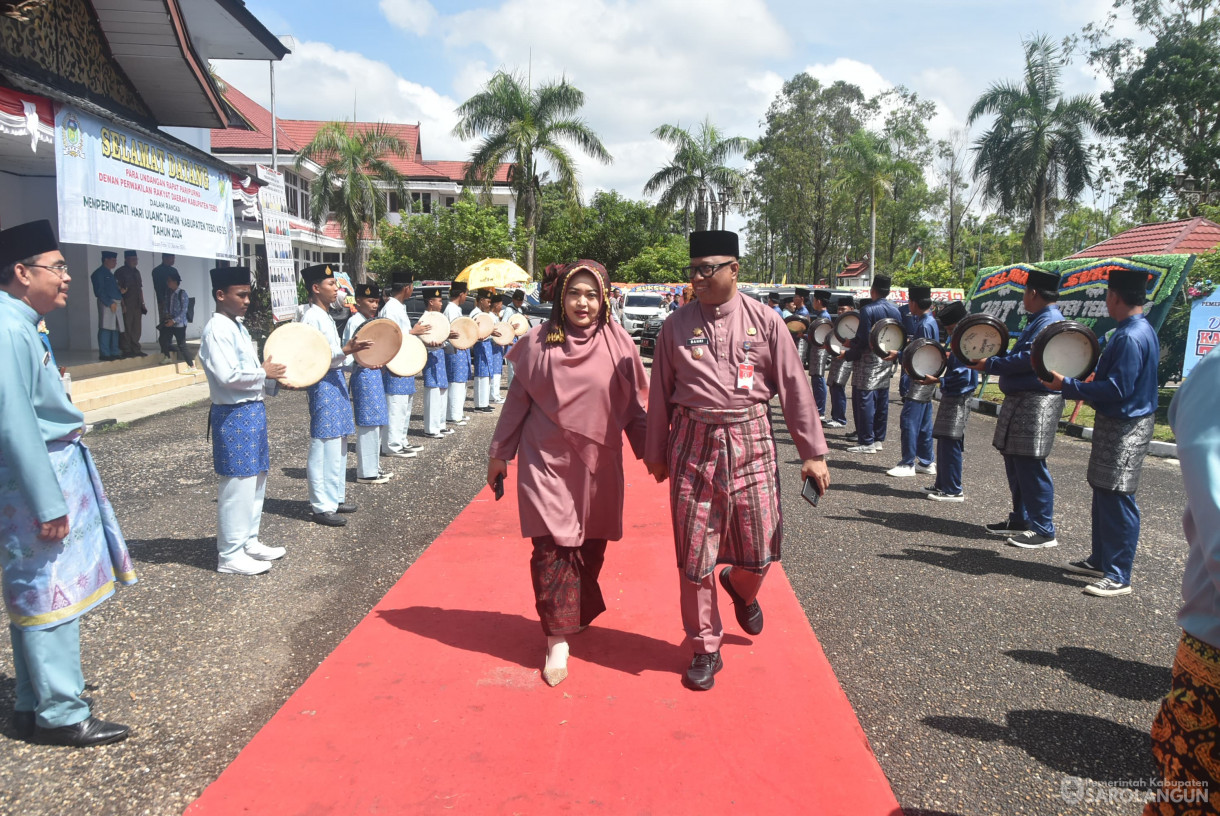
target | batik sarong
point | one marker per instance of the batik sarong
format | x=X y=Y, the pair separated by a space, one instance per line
x=840 y=372
x=1027 y=424
x=1119 y=448
x=239 y=439
x=951 y=417
x=396 y=386
x=497 y=358
x=1184 y=734
x=47 y=583
x=330 y=411
x=724 y=490
x=434 y=369
x=457 y=365
x=566 y=593
x=368 y=398
x=481 y=356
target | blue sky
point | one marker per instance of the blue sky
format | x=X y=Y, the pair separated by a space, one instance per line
x=642 y=63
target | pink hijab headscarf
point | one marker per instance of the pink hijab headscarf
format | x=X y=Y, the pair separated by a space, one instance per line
x=590 y=382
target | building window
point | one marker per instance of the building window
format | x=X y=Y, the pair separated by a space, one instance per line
x=448 y=201
x=392 y=203
x=296 y=190
x=422 y=198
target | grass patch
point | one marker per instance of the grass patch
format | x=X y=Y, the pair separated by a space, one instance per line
x=1161 y=432
x=110 y=427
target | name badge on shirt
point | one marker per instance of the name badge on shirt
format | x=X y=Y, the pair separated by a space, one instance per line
x=745 y=376
x=697 y=341
x=46 y=358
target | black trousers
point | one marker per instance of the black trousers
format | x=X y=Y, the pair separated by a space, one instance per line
x=176 y=334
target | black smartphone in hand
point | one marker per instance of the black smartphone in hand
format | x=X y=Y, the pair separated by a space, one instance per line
x=810 y=491
x=498 y=487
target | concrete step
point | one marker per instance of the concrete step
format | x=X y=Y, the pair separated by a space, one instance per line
x=132 y=378
x=130 y=386
x=99 y=369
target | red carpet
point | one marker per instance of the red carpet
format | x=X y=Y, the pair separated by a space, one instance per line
x=434 y=702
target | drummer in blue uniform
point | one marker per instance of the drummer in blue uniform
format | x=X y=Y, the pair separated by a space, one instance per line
x=1123 y=392
x=1027 y=423
x=330 y=411
x=481 y=356
x=949 y=430
x=838 y=391
x=368 y=392
x=399 y=391
x=818 y=356
x=871 y=375
x=436 y=382
x=915 y=421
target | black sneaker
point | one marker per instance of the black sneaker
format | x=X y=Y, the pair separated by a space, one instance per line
x=701 y=675
x=1006 y=528
x=1085 y=568
x=852 y=437
x=329 y=519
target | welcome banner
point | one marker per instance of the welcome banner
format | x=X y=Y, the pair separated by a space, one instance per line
x=120 y=189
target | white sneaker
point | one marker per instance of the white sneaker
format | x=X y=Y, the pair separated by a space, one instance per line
x=405 y=453
x=380 y=478
x=242 y=564
x=936 y=495
x=447 y=431
x=901 y=471
x=261 y=552
x=929 y=469
x=863 y=448
x=878 y=446
x=461 y=421
x=165 y=359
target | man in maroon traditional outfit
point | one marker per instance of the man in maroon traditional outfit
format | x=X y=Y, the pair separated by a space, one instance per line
x=718 y=363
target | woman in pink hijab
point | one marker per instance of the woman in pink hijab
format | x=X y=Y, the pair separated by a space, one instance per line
x=579 y=384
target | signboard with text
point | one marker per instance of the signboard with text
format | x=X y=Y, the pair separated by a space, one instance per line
x=277 y=241
x=120 y=189
x=1203 y=334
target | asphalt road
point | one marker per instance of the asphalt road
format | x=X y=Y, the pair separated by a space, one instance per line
x=984 y=679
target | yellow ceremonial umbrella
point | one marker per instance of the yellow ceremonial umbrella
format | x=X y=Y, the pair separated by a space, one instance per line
x=492 y=273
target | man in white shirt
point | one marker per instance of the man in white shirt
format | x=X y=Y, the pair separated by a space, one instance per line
x=457 y=361
x=481 y=356
x=399 y=391
x=368 y=392
x=241 y=455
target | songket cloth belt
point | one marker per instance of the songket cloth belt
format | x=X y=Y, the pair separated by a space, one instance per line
x=819 y=358
x=920 y=392
x=840 y=372
x=434 y=369
x=368 y=397
x=1184 y=730
x=724 y=489
x=1027 y=424
x=457 y=365
x=239 y=439
x=1119 y=448
x=951 y=417
x=396 y=386
x=870 y=372
x=330 y=412
x=45 y=583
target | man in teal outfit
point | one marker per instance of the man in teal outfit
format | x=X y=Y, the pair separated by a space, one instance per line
x=61 y=549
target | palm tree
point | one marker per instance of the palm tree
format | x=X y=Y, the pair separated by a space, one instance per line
x=870 y=169
x=354 y=162
x=524 y=126
x=697 y=178
x=1035 y=151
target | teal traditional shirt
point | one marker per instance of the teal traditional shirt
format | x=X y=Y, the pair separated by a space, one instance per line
x=34 y=409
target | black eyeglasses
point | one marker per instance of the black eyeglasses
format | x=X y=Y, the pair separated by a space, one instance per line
x=60 y=269
x=705 y=270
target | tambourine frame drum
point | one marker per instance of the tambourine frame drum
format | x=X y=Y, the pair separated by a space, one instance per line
x=819 y=329
x=845 y=326
x=502 y=334
x=387 y=340
x=463 y=333
x=834 y=345
x=979 y=336
x=303 y=349
x=486 y=323
x=437 y=326
x=887 y=335
x=1068 y=348
x=797 y=324
x=924 y=357
x=520 y=324
x=411 y=358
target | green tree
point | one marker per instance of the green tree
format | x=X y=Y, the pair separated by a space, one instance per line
x=527 y=127
x=664 y=262
x=356 y=170
x=444 y=243
x=697 y=179
x=612 y=229
x=870 y=170
x=1036 y=148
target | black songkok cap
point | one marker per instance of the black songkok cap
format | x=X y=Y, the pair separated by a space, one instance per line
x=484 y=293
x=506 y=299
x=130 y=253
x=367 y=290
x=519 y=294
x=822 y=295
x=107 y=255
x=1041 y=279
x=713 y=242
x=952 y=312
x=402 y=278
x=456 y=288
x=773 y=297
x=802 y=292
x=26 y=240
x=433 y=292
x=1129 y=280
x=919 y=292
x=316 y=274
x=883 y=282
x=847 y=300
x=225 y=276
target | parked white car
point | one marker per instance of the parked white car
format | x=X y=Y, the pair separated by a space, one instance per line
x=638 y=307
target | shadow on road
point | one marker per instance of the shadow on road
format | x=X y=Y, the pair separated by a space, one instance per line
x=190 y=552
x=977 y=561
x=916 y=523
x=288 y=508
x=875 y=489
x=293 y=473
x=517 y=639
x=1129 y=679
x=1073 y=744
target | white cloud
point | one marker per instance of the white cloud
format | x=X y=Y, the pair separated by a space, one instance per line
x=412 y=16
x=943 y=87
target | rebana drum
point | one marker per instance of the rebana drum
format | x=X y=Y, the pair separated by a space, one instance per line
x=502 y=334
x=1068 y=348
x=486 y=323
x=437 y=326
x=463 y=333
x=520 y=324
x=979 y=336
x=797 y=324
x=303 y=349
x=387 y=340
x=411 y=357
x=924 y=357
x=846 y=325
x=887 y=336
x=821 y=328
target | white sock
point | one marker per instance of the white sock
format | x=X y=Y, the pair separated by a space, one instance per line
x=556 y=652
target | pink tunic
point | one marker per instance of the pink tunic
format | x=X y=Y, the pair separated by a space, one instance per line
x=570 y=486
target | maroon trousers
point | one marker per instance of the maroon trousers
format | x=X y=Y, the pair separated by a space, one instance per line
x=566 y=593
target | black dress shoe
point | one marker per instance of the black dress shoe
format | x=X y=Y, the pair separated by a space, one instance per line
x=24 y=723
x=346 y=508
x=329 y=519
x=701 y=675
x=83 y=734
x=749 y=615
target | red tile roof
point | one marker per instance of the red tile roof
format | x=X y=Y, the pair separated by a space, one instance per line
x=292 y=135
x=854 y=269
x=1193 y=235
